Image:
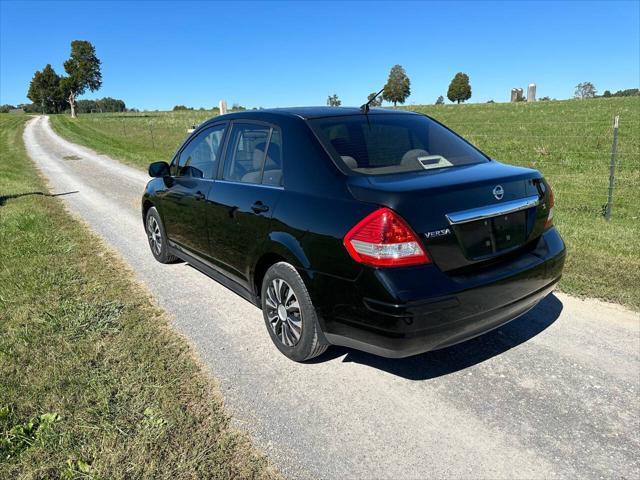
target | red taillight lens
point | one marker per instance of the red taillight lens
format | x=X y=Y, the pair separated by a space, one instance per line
x=549 y=221
x=383 y=239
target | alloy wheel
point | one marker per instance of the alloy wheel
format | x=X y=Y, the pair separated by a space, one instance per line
x=155 y=237
x=283 y=312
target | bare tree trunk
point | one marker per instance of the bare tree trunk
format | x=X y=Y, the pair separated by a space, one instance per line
x=72 y=104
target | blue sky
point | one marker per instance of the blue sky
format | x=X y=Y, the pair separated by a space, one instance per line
x=159 y=54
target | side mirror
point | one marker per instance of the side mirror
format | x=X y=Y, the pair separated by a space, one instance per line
x=159 y=169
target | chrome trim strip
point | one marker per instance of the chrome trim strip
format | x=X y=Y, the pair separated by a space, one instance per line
x=231 y=182
x=489 y=211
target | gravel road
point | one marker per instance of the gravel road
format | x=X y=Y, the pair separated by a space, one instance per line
x=554 y=394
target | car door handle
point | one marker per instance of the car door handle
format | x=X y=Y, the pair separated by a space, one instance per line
x=259 y=207
x=199 y=195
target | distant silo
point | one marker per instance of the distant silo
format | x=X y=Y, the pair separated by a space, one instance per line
x=531 y=92
x=516 y=95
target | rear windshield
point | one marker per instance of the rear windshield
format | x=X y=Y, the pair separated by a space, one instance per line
x=378 y=144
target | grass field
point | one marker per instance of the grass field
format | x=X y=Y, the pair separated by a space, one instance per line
x=569 y=141
x=93 y=382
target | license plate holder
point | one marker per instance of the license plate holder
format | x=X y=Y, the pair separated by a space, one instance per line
x=494 y=235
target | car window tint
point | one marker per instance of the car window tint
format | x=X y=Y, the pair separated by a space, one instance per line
x=383 y=141
x=273 y=163
x=200 y=158
x=379 y=144
x=246 y=153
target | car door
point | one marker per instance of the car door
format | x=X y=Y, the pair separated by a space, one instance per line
x=184 y=201
x=244 y=197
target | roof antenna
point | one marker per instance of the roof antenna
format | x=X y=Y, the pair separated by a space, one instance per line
x=365 y=107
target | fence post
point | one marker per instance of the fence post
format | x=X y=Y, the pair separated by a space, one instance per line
x=153 y=140
x=612 y=167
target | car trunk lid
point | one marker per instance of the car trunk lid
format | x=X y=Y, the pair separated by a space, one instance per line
x=466 y=216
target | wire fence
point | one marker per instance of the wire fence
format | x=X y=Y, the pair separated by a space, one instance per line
x=592 y=165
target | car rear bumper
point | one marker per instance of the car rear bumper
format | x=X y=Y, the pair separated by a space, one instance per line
x=406 y=311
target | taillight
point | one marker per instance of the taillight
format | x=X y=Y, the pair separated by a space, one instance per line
x=549 y=221
x=383 y=239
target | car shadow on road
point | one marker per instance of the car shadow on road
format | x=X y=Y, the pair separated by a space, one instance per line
x=4 y=198
x=458 y=357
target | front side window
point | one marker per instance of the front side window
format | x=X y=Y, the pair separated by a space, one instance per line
x=254 y=155
x=378 y=144
x=200 y=157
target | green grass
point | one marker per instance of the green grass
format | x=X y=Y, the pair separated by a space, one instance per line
x=135 y=138
x=569 y=141
x=93 y=381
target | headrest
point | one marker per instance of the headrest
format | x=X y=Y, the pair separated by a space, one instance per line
x=349 y=161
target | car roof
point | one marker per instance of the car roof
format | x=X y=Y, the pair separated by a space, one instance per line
x=314 y=112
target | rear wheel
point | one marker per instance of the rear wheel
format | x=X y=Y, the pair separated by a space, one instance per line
x=289 y=314
x=157 y=237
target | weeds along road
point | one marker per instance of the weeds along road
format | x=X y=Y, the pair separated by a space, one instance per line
x=552 y=394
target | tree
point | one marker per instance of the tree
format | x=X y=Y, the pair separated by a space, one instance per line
x=30 y=107
x=6 y=108
x=83 y=70
x=629 y=92
x=585 y=90
x=440 y=100
x=398 y=86
x=333 y=101
x=459 y=88
x=374 y=103
x=106 y=104
x=45 y=91
x=606 y=94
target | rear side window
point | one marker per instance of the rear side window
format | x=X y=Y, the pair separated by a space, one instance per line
x=379 y=144
x=254 y=155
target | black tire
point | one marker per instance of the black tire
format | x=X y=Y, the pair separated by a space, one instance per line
x=310 y=342
x=157 y=240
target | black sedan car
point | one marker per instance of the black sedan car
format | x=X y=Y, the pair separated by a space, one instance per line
x=378 y=230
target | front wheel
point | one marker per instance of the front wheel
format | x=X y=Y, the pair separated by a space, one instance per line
x=289 y=314
x=157 y=237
